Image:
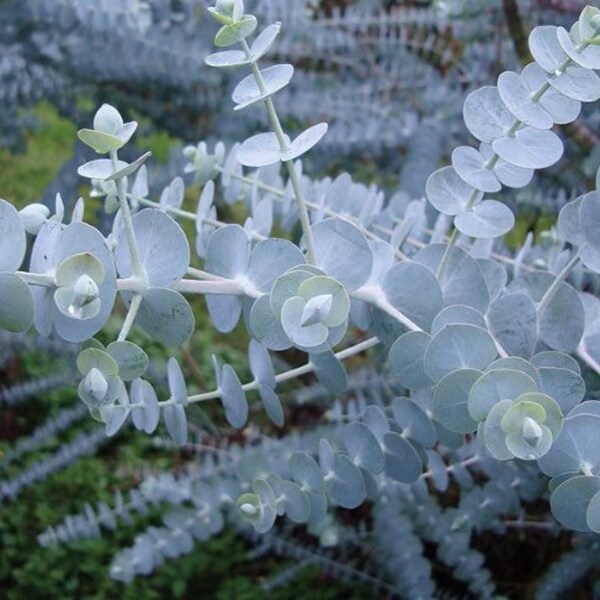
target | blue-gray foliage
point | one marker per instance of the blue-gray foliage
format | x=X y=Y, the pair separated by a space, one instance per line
x=403 y=79
x=481 y=365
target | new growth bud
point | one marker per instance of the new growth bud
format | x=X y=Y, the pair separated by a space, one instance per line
x=33 y=217
x=96 y=384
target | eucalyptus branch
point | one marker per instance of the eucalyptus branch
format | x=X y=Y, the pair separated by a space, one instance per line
x=282 y=377
x=526 y=413
x=37 y=279
x=585 y=356
x=219 y=287
x=132 y=312
x=127 y=221
x=555 y=286
x=376 y=297
x=517 y=124
x=184 y=214
x=523 y=524
x=473 y=460
x=199 y=274
x=289 y=164
x=280 y=195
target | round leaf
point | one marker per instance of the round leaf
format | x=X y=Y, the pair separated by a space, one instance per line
x=176 y=423
x=513 y=321
x=497 y=385
x=447 y=192
x=347 y=488
x=402 y=462
x=458 y=347
x=488 y=219
x=546 y=49
x=450 y=397
x=565 y=386
x=231 y=34
x=80 y=238
x=145 y=417
x=575 y=448
x=260 y=150
x=517 y=97
x=570 y=500
x=485 y=115
x=530 y=148
x=305 y=141
x=166 y=316
x=363 y=447
x=275 y=78
x=269 y=259
x=12 y=238
x=233 y=398
x=406 y=360
x=16 y=303
x=330 y=372
x=414 y=422
x=342 y=252
x=163 y=248
x=266 y=327
x=451 y=315
x=260 y=364
x=463 y=281
x=131 y=359
x=272 y=404
x=471 y=167
x=413 y=290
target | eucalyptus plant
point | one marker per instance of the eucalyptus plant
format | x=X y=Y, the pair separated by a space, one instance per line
x=478 y=344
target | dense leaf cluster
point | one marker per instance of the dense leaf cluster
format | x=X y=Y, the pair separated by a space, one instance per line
x=486 y=356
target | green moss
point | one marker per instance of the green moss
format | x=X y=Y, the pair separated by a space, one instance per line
x=158 y=141
x=525 y=222
x=25 y=176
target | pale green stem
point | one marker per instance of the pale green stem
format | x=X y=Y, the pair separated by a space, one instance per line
x=178 y=212
x=441 y=270
x=518 y=524
x=374 y=296
x=131 y=284
x=190 y=216
x=132 y=312
x=41 y=279
x=199 y=274
x=465 y=463
x=259 y=184
x=221 y=287
x=136 y=263
x=560 y=278
x=302 y=210
x=501 y=351
x=283 y=377
x=289 y=164
x=587 y=358
x=280 y=195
